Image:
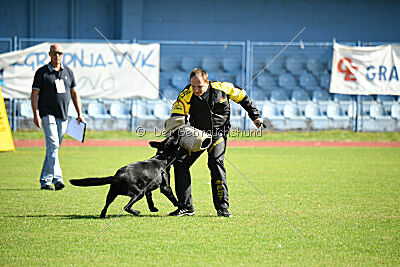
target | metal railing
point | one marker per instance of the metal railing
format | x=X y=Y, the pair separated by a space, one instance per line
x=6 y=45
x=253 y=56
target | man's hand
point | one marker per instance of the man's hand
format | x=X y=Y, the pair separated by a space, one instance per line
x=259 y=122
x=76 y=99
x=37 y=120
x=80 y=118
x=35 y=108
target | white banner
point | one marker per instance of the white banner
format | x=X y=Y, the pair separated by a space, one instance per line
x=365 y=70
x=100 y=71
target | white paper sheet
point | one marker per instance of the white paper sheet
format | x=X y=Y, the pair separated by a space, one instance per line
x=75 y=130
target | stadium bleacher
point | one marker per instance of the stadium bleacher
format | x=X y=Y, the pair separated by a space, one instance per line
x=324 y=80
x=315 y=66
x=296 y=64
x=97 y=110
x=189 y=63
x=337 y=118
x=161 y=110
x=395 y=111
x=387 y=101
x=272 y=116
x=180 y=79
x=266 y=81
x=342 y=98
x=25 y=109
x=231 y=65
x=120 y=110
x=277 y=67
x=227 y=77
x=279 y=96
x=293 y=91
x=287 y=81
x=236 y=116
x=170 y=93
x=329 y=65
x=317 y=119
x=142 y=110
x=168 y=64
x=308 y=82
x=320 y=96
x=300 y=96
x=72 y=111
x=211 y=64
x=292 y=113
x=258 y=94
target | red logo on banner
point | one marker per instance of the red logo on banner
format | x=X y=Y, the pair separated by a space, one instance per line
x=349 y=75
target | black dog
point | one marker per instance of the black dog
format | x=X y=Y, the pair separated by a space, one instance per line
x=140 y=178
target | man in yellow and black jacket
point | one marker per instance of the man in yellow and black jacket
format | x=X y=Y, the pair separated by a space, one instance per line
x=207 y=105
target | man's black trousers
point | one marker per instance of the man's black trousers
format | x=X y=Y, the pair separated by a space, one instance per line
x=216 y=153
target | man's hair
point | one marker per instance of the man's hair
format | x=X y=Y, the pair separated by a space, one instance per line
x=200 y=73
x=52 y=46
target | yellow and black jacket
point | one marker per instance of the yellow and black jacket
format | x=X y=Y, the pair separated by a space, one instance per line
x=211 y=111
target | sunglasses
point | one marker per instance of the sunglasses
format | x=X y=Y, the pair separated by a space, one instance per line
x=56 y=53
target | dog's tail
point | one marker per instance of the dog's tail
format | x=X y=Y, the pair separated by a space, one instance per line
x=93 y=181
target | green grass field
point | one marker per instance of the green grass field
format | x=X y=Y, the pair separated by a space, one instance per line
x=345 y=201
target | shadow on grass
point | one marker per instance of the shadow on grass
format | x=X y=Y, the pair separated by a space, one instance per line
x=166 y=216
x=20 y=189
x=69 y=216
x=91 y=217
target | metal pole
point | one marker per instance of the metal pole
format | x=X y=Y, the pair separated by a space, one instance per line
x=9 y=113
x=248 y=76
x=360 y=113
x=14 y=114
x=359 y=106
x=243 y=72
x=356 y=112
x=12 y=106
x=15 y=43
x=131 y=118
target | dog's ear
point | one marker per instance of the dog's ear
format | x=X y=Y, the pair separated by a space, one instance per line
x=155 y=144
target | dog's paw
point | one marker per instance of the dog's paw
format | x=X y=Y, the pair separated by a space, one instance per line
x=153 y=209
x=134 y=212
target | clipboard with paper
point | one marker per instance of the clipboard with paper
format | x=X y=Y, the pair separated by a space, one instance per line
x=76 y=130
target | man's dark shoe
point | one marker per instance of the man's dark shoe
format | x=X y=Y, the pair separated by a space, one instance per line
x=182 y=212
x=224 y=213
x=59 y=185
x=46 y=187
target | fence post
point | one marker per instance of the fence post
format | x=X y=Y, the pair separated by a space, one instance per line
x=359 y=109
x=15 y=45
x=9 y=115
x=356 y=113
x=130 y=113
x=12 y=106
x=247 y=77
x=14 y=115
